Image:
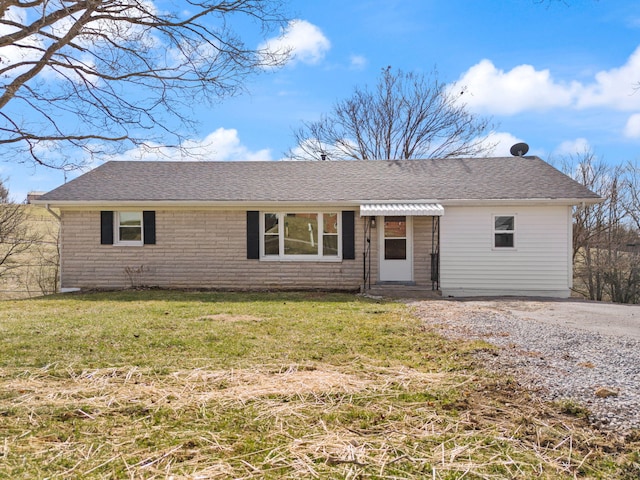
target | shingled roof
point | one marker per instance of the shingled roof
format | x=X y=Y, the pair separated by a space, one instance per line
x=516 y=178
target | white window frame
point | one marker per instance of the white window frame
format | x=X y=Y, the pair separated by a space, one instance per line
x=281 y=232
x=116 y=230
x=497 y=232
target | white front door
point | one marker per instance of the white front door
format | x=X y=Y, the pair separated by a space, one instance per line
x=396 y=252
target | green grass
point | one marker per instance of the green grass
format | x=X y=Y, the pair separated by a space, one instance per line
x=159 y=330
x=158 y=384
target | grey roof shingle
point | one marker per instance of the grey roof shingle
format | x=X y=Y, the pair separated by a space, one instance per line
x=329 y=181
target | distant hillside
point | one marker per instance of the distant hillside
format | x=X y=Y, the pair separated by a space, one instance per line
x=36 y=270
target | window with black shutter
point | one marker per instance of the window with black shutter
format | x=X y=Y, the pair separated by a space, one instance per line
x=127 y=228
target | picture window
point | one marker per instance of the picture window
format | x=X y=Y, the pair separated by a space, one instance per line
x=301 y=235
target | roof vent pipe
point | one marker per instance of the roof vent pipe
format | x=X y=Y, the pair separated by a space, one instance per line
x=323 y=156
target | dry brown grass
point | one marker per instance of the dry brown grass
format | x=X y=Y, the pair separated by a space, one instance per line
x=487 y=432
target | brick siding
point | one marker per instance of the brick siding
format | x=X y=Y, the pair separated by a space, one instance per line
x=194 y=249
x=207 y=249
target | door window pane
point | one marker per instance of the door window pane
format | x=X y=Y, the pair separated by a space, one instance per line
x=395 y=241
x=395 y=249
x=395 y=227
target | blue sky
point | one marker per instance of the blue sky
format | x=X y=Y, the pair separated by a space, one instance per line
x=560 y=75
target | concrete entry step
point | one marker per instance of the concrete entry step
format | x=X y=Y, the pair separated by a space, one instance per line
x=402 y=291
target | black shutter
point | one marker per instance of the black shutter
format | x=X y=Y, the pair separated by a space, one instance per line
x=253 y=235
x=106 y=227
x=149 y=226
x=348 y=235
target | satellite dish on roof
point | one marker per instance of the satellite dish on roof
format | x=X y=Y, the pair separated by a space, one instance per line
x=519 y=149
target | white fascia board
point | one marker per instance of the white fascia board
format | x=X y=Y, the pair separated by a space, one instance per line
x=454 y=202
x=521 y=201
x=222 y=205
x=257 y=204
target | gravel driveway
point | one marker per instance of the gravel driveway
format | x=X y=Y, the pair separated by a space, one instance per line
x=605 y=318
x=587 y=352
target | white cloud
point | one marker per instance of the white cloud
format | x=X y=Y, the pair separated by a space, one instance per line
x=305 y=41
x=357 y=62
x=501 y=142
x=573 y=147
x=632 y=128
x=523 y=88
x=220 y=145
x=224 y=144
x=614 y=88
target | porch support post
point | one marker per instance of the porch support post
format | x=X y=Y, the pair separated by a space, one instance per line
x=366 y=257
x=435 y=253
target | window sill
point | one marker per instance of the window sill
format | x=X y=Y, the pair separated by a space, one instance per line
x=301 y=259
x=128 y=244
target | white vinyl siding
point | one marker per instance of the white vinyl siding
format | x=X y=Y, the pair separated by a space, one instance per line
x=540 y=264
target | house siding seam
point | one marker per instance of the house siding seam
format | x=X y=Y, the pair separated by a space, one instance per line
x=194 y=249
x=539 y=264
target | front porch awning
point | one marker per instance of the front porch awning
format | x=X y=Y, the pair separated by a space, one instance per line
x=408 y=209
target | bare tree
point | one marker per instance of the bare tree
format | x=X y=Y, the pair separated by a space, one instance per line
x=632 y=200
x=104 y=75
x=15 y=237
x=589 y=225
x=407 y=115
x=605 y=235
x=41 y=268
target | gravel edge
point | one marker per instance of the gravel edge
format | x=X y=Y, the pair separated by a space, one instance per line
x=599 y=372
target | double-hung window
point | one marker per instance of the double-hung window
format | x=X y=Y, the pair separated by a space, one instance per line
x=504 y=231
x=129 y=228
x=300 y=235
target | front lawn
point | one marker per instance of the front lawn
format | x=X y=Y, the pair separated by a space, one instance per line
x=157 y=384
